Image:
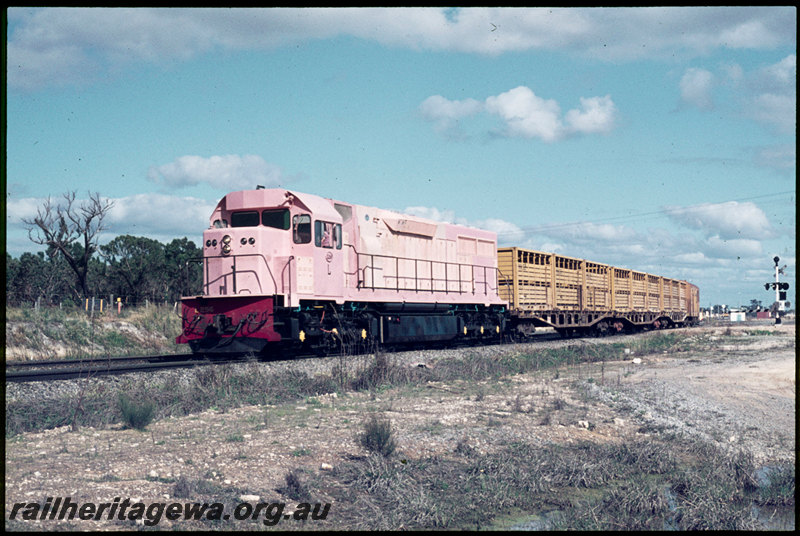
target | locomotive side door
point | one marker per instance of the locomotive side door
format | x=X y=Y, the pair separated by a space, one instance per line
x=328 y=260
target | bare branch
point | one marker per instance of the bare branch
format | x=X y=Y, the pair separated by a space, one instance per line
x=60 y=226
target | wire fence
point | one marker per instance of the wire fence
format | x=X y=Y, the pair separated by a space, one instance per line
x=92 y=305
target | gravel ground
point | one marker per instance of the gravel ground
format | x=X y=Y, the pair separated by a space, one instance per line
x=737 y=391
x=743 y=399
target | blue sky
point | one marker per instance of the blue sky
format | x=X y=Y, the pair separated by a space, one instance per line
x=661 y=140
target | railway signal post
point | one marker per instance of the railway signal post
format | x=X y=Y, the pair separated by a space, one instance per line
x=780 y=291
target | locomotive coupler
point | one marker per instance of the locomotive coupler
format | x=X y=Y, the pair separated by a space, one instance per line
x=222 y=323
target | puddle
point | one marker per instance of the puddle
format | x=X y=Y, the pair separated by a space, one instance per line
x=774 y=517
x=771 y=479
x=544 y=521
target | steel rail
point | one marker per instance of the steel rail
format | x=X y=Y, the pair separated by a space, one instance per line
x=88 y=360
x=80 y=370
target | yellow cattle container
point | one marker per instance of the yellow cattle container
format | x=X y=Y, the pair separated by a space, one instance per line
x=536 y=281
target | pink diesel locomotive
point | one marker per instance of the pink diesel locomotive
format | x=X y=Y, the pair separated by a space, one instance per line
x=287 y=269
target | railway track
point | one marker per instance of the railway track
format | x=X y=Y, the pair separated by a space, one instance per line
x=32 y=371
x=69 y=369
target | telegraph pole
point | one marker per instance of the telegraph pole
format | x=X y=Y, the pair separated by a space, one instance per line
x=780 y=291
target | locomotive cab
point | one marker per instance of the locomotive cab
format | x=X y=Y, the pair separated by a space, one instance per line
x=272 y=242
x=264 y=251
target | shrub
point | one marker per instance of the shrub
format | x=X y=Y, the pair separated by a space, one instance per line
x=183 y=488
x=378 y=436
x=295 y=488
x=136 y=414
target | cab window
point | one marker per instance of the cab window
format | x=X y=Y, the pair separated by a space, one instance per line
x=244 y=219
x=327 y=235
x=277 y=219
x=301 y=229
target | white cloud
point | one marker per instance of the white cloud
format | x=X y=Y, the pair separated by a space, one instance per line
x=783 y=73
x=550 y=247
x=445 y=113
x=767 y=95
x=431 y=213
x=525 y=114
x=776 y=110
x=780 y=157
x=696 y=85
x=602 y=231
x=63 y=45
x=507 y=232
x=696 y=257
x=158 y=216
x=227 y=172
x=734 y=248
x=731 y=220
x=19 y=209
x=597 y=115
x=774 y=95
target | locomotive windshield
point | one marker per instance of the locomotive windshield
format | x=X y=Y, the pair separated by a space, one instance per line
x=277 y=219
x=244 y=219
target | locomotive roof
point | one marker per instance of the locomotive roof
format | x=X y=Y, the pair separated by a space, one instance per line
x=279 y=197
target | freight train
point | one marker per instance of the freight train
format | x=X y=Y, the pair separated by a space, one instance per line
x=288 y=270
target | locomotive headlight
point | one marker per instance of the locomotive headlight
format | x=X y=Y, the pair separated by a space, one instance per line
x=243 y=241
x=208 y=243
x=226 y=248
x=226 y=239
x=252 y=241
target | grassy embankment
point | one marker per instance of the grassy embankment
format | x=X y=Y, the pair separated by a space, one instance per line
x=55 y=333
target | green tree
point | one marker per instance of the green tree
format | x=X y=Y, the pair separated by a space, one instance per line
x=34 y=276
x=136 y=267
x=184 y=276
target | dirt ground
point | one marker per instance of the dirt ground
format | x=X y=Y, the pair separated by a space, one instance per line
x=740 y=394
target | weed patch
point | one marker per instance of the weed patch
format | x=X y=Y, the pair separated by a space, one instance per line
x=633 y=485
x=378 y=436
x=136 y=414
x=295 y=488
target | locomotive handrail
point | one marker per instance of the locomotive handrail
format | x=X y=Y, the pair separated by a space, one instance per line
x=207 y=283
x=289 y=266
x=433 y=280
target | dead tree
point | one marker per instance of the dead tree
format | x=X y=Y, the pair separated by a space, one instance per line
x=63 y=226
